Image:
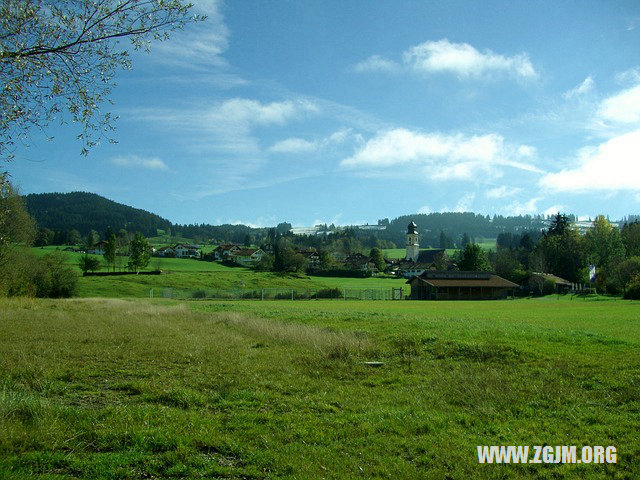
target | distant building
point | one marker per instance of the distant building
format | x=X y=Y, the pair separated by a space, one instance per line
x=312 y=257
x=456 y=285
x=166 y=252
x=537 y=280
x=97 y=249
x=358 y=261
x=246 y=256
x=416 y=261
x=180 y=250
x=186 y=250
x=412 y=245
x=224 y=251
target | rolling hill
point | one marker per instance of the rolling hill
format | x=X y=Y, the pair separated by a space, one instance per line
x=88 y=211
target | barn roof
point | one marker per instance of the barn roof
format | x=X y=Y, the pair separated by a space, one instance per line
x=246 y=252
x=429 y=256
x=462 y=279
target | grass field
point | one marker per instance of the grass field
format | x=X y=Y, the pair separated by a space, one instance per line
x=107 y=388
x=190 y=275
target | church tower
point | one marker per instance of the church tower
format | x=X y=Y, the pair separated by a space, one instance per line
x=413 y=248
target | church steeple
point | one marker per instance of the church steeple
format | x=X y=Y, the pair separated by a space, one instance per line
x=413 y=247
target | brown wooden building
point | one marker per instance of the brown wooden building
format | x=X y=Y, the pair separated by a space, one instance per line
x=452 y=285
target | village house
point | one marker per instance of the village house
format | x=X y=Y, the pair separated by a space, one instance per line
x=97 y=249
x=267 y=248
x=167 y=252
x=536 y=283
x=224 y=251
x=180 y=250
x=246 y=256
x=358 y=261
x=186 y=250
x=312 y=257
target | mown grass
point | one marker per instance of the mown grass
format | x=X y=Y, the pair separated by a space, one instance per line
x=105 y=388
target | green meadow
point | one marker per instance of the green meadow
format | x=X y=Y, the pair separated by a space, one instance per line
x=190 y=275
x=108 y=388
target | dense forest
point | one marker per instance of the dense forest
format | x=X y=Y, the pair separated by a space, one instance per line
x=81 y=211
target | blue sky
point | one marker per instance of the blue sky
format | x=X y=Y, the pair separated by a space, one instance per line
x=347 y=112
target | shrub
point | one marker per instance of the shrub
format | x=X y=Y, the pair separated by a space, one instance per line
x=88 y=263
x=329 y=293
x=633 y=291
x=199 y=294
x=26 y=275
x=53 y=278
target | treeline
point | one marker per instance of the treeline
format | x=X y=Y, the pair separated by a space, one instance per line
x=611 y=253
x=454 y=225
x=66 y=218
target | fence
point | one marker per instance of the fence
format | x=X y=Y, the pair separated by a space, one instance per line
x=343 y=293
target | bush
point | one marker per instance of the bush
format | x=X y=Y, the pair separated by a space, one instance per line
x=24 y=274
x=329 y=293
x=199 y=294
x=53 y=278
x=633 y=291
x=89 y=263
x=17 y=266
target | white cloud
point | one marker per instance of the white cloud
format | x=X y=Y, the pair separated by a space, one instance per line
x=631 y=76
x=530 y=207
x=585 y=87
x=245 y=111
x=554 y=209
x=622 y=108
x=526 y=151
x=200 y=45
x=221 y=139
x=464 y=60
x=293 y=145
x=341 y=136
x=134 y=161
x=502 y=192
x=376 y=63
x=226 y=126
x=440 y=156
x=300 y=145
x=425 y=209
x=611 y=166
x=464 y=203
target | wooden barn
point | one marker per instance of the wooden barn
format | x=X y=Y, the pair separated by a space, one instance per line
x=451 y=285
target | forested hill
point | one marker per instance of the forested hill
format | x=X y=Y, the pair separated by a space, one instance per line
x=87 y=211
x=454 y=224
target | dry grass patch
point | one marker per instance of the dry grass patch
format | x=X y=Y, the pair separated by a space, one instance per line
x=326 y=342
